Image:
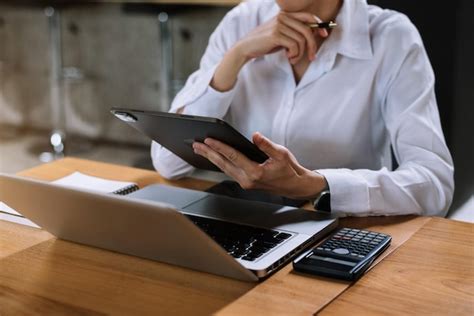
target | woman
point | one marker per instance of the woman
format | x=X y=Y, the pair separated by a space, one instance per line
x=330 y=104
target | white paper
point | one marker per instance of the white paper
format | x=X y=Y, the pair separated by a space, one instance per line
x=10 y=215
x=81 y=181
x=18 y=220
x=7 y=209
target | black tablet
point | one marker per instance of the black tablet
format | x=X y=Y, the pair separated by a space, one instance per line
x=177 y=132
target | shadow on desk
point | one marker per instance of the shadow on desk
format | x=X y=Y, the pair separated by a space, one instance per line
x=371 y=221
x=82 y=279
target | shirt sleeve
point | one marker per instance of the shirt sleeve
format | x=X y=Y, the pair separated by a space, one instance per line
x=423 y=183
x=197 y=97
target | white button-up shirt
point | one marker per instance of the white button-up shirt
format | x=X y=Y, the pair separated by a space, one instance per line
x=370 y=87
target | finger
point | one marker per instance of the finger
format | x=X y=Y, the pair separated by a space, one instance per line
x=267 y=146
x=308 y=18
x=277 y=152
x=300 y=40
x=304 y=30
x=234 y=156
x=220 y=161
x=322 y=32
x=304 y=17
x=288 y=43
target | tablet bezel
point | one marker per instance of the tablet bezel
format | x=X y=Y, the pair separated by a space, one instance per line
x=177 y=132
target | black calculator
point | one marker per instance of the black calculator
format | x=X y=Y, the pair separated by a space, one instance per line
x=345 y=254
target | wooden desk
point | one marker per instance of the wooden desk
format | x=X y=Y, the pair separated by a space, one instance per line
x=42 y=275
x=431 y=274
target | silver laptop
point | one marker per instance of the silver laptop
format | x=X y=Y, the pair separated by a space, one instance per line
x=241 y=239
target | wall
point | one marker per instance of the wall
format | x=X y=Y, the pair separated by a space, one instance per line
x=117 y=49
x=462 y=142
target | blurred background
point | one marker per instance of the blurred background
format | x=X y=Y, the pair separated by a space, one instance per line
x=64 y=64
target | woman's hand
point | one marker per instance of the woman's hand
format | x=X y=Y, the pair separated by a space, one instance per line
x=285 y=31
x=280 y=173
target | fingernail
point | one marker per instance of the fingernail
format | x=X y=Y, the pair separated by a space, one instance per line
x=317 y=19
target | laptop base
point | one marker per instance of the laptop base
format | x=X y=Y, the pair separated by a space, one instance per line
x=234 y=190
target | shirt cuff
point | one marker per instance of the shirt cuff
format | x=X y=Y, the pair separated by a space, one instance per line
x=168 y=164
x=204 y=100
x=349 y=192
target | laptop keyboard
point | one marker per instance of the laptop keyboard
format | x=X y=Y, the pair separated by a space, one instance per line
x=240 y=241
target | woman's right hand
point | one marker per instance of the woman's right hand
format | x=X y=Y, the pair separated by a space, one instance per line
x=289 y=31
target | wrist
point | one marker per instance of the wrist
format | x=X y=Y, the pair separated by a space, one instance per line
x=321 y=198
x=228 y=70
x=238 y=55
x=313 y=184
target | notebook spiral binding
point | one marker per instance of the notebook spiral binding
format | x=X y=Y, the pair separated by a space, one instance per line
x=127 y=190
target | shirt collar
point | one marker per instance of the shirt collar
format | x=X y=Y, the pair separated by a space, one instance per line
x=352 y=37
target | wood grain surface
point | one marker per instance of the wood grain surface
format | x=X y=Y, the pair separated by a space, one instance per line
x=431 y=274
x=15 y=237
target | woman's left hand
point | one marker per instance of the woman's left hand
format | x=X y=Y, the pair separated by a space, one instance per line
x=280 y=173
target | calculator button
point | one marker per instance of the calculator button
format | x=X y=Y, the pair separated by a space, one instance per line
x=327 y=249
x=360 y=256
x=341 y=251
x=320 y=248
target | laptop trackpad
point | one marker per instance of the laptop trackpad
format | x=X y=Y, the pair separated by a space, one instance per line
x=178 y=197
x=253 y=213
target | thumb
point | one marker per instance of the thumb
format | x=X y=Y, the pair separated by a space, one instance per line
x=277 y=152
x=267 y=146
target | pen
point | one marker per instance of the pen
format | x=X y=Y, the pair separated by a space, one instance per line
x=323 y=25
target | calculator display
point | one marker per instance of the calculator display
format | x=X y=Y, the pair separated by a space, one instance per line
x=332 y=263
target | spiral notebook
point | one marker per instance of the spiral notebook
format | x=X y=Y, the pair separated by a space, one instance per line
x=74 y=180
x=79 y=180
